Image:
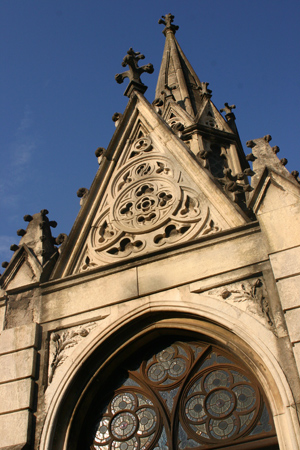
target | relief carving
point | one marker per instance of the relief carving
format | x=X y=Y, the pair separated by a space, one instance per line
x=126 y=247
x=62 y=342
x=251 y=293
x=144 y=205
x=149 y=205
x=141 y=145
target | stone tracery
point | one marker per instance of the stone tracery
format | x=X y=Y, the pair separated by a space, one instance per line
x=149 y=205
x=187 y=395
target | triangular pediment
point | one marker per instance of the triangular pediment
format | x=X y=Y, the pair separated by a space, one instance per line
x=209 y=116
x=24 y=269
x=274 y=191
x=174 y=114
x=150 y=194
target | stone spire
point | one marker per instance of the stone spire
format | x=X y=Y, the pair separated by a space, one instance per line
x=184 y=102
x=176 y=73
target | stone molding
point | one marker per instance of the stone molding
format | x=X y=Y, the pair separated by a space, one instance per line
x=224 y=325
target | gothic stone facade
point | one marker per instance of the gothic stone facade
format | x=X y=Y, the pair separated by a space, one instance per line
x=169 y=317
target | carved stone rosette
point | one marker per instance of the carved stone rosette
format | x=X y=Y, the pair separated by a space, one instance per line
x=149 y=206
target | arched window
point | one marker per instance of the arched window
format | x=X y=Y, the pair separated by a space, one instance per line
x=181 y=395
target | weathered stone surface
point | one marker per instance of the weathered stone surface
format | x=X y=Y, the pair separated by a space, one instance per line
x=201 y=263
x=17 y=365
x=2 y=314
x=16 y=395
x=279 y=213
x=90 y=295
x=296 y=350
x=293 y=320
x=18 y=338
x=289 y=290
x=286 y=263
x=14 y=428
x=164 y=245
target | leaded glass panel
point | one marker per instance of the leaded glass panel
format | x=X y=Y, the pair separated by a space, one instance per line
x=187 y=395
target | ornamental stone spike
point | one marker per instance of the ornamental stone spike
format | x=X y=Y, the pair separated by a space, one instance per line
x=167 y=21
x=131 y=60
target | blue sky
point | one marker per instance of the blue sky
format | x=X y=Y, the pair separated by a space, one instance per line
x=58 y=92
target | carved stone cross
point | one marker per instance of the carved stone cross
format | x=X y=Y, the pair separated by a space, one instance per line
x=131 y=60
x=204 y=88
x=228 y=109
x=167 y=21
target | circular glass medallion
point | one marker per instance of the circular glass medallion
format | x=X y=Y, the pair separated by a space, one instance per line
x=131 y=444
x=123 y=425
x=177 y=367
x=147 y=420
x=123 y=401
x=194 y=408
x=246 y=397
x=102 y=433
x=166 y=355
x=217 y=378
x=220 y=403
x=222 y=429
x=156 y=372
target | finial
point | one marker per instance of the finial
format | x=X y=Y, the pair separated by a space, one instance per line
x=134 y=72
x=204 y=90
x=116 y=118
x=167 y=21
x=228 y=109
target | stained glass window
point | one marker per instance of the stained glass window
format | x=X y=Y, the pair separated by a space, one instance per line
x=187 y=395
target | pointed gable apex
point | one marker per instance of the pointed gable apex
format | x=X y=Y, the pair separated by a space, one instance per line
x=149 y=193
x=209 y=116
x=174 y=114
x=24 y=269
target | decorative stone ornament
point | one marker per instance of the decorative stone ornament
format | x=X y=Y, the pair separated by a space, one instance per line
x=167 y=20
x=148 y=206
x=131 y=60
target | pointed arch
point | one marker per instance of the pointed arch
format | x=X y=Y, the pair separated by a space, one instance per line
x=93 y=363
